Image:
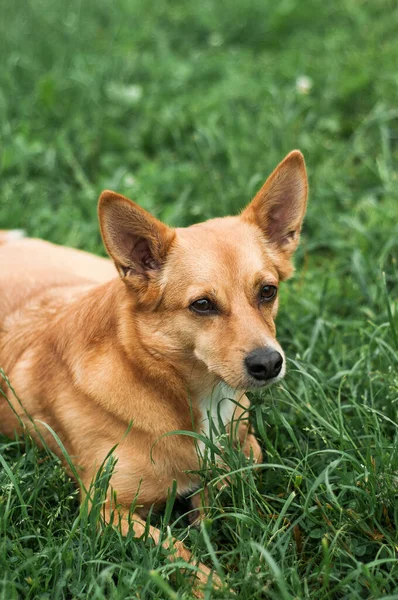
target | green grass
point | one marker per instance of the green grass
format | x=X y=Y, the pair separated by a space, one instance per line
x=186 y=107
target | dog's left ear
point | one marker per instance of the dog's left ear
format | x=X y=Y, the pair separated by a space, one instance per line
x=278 y=208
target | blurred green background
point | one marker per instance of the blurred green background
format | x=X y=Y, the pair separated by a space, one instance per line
x=186 y=107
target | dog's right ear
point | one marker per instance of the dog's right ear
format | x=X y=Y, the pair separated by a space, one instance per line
x=278 y=208
x=137 y=242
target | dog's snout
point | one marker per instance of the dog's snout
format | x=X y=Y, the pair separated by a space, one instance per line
x=264 y=363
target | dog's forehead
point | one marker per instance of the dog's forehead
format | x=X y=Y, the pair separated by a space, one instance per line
x=219 y=246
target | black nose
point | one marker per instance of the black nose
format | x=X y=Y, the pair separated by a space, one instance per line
x=264 y=363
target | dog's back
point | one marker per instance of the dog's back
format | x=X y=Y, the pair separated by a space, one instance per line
x=37 y=277
x=30 y=268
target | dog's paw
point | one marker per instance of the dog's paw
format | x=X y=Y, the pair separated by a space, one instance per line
x=205 y=576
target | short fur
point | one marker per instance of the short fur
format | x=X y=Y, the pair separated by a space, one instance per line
x=89 y=353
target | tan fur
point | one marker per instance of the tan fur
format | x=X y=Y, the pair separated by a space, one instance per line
x=89 y=352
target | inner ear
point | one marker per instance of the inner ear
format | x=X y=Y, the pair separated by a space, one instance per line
x=283 y=222
x=140 y=255
x=278 y=208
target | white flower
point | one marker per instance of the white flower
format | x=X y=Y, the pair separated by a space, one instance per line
x=216 y=39
x=303 y=84
x=129 y=180
x=123 y=94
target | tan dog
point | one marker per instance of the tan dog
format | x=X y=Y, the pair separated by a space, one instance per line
x=187 y=326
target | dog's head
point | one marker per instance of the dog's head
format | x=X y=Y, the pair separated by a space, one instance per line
x=206 y=296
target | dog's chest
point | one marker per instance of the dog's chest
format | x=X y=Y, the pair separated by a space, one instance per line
x=216 y=408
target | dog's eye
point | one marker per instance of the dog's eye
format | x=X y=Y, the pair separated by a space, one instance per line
x=268 y=293
x=203 y=306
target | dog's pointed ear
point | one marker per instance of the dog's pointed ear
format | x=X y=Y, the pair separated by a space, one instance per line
x=278 y=208
x=137 y=242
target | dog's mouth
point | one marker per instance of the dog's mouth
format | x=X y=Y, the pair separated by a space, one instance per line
x=248 y=383
x=258 y=384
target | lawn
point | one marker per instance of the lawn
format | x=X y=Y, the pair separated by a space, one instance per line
x=186 y=107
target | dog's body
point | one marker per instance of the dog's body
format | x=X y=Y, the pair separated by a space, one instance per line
x=123 y=361
x=73 y=372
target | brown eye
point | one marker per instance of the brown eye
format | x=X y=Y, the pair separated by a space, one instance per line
x=203 y=306
x=268 y=293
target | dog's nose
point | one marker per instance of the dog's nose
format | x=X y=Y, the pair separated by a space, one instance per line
x=264 y=363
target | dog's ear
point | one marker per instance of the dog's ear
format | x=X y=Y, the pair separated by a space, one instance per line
x=278 y=208
x=137 y=242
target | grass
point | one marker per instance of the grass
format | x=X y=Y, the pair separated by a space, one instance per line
x=186 y=107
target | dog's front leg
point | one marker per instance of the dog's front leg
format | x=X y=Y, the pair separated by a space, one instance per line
x=121 y=517
x=249 y=444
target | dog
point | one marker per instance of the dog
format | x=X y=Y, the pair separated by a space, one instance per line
x=169 y=341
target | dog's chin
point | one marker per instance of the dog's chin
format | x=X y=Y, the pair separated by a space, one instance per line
x=250 y=383
x=255 y=384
